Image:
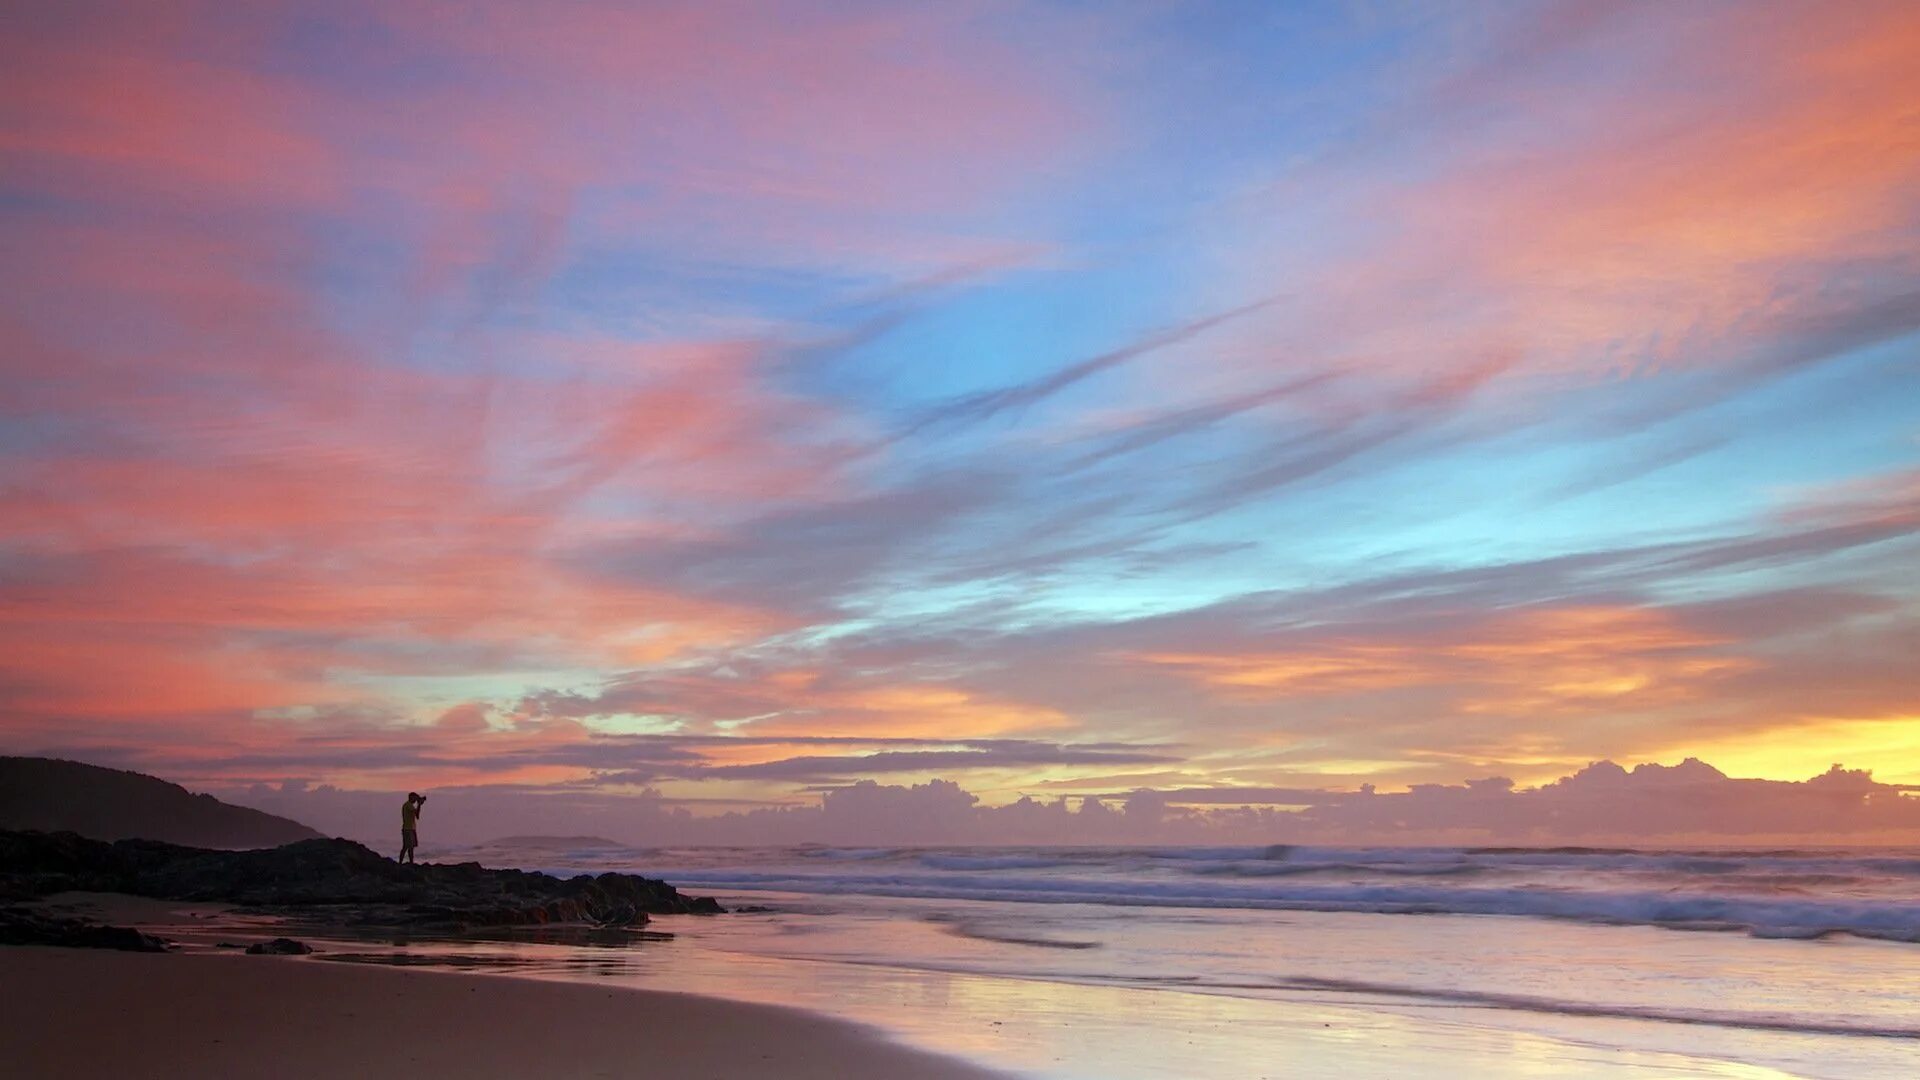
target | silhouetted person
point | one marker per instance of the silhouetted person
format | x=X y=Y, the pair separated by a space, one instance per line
x=410 y=825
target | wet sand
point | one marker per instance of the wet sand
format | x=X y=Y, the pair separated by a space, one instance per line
x=76 y=1012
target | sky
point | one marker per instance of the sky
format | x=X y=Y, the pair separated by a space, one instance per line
x=729 y=408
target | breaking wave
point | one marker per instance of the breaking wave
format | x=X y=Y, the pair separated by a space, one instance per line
x=1780 y=916
x=1774 y=893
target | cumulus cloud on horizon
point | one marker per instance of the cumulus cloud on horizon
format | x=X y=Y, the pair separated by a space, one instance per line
x=1687 y=804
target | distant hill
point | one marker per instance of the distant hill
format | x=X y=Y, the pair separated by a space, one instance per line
x=51 y=795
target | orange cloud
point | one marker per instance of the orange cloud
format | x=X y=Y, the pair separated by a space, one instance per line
x=1545 y=660
x=806 y=702
x=927 y=711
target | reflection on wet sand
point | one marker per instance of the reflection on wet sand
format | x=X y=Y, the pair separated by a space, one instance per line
x=1009 y=989
x=592 y=965
x=590 y=937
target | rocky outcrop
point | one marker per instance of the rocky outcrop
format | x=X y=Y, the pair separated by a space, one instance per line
x=336 y=880
x=50 y=794
x=280 y=946
x=21 y=927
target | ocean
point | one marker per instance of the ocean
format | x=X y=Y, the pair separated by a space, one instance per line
x=1076 y=963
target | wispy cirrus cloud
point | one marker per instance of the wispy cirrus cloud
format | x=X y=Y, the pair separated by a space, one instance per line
x=491 y=396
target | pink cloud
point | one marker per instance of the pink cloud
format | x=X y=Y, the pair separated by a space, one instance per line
x=1735 y=193
x=257 y=500
x=878 y=141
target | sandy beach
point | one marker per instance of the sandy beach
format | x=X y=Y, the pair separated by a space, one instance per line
x=73 y=1013
x=840 y=984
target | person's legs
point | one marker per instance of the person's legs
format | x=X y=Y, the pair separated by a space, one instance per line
x=408 y=838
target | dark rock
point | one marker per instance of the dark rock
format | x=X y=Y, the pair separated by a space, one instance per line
x=624 y=915
x=20 y=927
x=280 y=946
x=336 y=879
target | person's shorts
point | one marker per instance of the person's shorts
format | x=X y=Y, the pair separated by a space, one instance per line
x=409 y=838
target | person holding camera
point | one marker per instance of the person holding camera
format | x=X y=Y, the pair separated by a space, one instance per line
x=410 y=825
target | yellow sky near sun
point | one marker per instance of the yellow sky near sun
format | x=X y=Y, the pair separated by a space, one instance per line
x=1891 y=745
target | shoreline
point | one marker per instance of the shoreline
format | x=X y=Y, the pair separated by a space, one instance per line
x=368 y=1006
x=904 y=978
x=73 y=1012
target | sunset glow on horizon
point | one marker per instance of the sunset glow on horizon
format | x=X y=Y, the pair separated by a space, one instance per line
x=715 y=405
